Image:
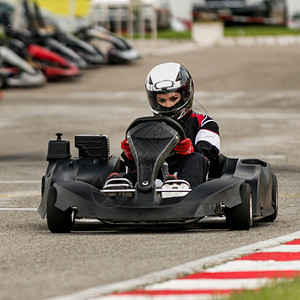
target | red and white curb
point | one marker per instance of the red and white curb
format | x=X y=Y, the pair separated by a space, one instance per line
x=249 y=272
x=245 y=268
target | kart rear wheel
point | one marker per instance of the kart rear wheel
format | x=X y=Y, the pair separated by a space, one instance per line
x=240 y=217
x=58 y=221
x=272 y=217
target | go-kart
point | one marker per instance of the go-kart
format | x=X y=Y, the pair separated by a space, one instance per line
x=242 y=190
x=116 y=48
x=17 y=72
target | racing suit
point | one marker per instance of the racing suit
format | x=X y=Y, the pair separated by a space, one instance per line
x=204 y=134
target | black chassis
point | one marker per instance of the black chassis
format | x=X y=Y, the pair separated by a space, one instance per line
x=73 y=187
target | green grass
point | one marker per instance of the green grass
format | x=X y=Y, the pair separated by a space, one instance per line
x=280 y=290
x=233 y=31
x=252 y=30
x=170 y=34
x=229 y=31
x=167 y=34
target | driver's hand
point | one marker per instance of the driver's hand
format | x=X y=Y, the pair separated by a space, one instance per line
x=126 y=149
x=185 y=147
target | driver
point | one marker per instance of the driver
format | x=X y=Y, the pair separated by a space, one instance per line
x=170 y=92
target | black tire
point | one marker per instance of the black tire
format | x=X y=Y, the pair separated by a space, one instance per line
x=273 y=217
x=240 y=217
x=43 y=185
x=58 y=221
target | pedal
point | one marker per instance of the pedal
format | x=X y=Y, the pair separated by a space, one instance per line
x=176 y=186
x=120 y=186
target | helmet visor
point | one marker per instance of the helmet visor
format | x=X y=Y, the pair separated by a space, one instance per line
x=168 y=101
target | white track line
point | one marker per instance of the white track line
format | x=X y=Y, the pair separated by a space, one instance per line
x=19 y=181
x=18 y=209
x=181 y=270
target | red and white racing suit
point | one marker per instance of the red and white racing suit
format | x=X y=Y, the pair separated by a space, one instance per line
x=203 y=131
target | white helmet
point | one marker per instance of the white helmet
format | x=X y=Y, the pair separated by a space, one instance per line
x=168 y=78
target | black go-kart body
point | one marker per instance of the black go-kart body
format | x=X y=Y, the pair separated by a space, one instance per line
x=242 y=190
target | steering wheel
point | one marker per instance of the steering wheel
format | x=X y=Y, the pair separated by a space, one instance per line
x=167 y=120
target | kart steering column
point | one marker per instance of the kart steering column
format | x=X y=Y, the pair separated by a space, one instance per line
x=150 y=143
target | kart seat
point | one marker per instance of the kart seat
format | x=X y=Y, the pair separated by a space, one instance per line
x=220 y=165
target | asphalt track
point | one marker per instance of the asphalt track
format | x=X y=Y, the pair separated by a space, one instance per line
x=252 y=92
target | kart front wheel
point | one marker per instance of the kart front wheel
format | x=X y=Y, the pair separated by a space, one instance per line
x=240 y=217
x=273 y=216
x=58 y=221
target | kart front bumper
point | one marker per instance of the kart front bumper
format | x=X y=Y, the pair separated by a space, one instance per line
x=90 y=202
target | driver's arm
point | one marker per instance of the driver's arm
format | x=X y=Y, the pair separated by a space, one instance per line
x=207 y=141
